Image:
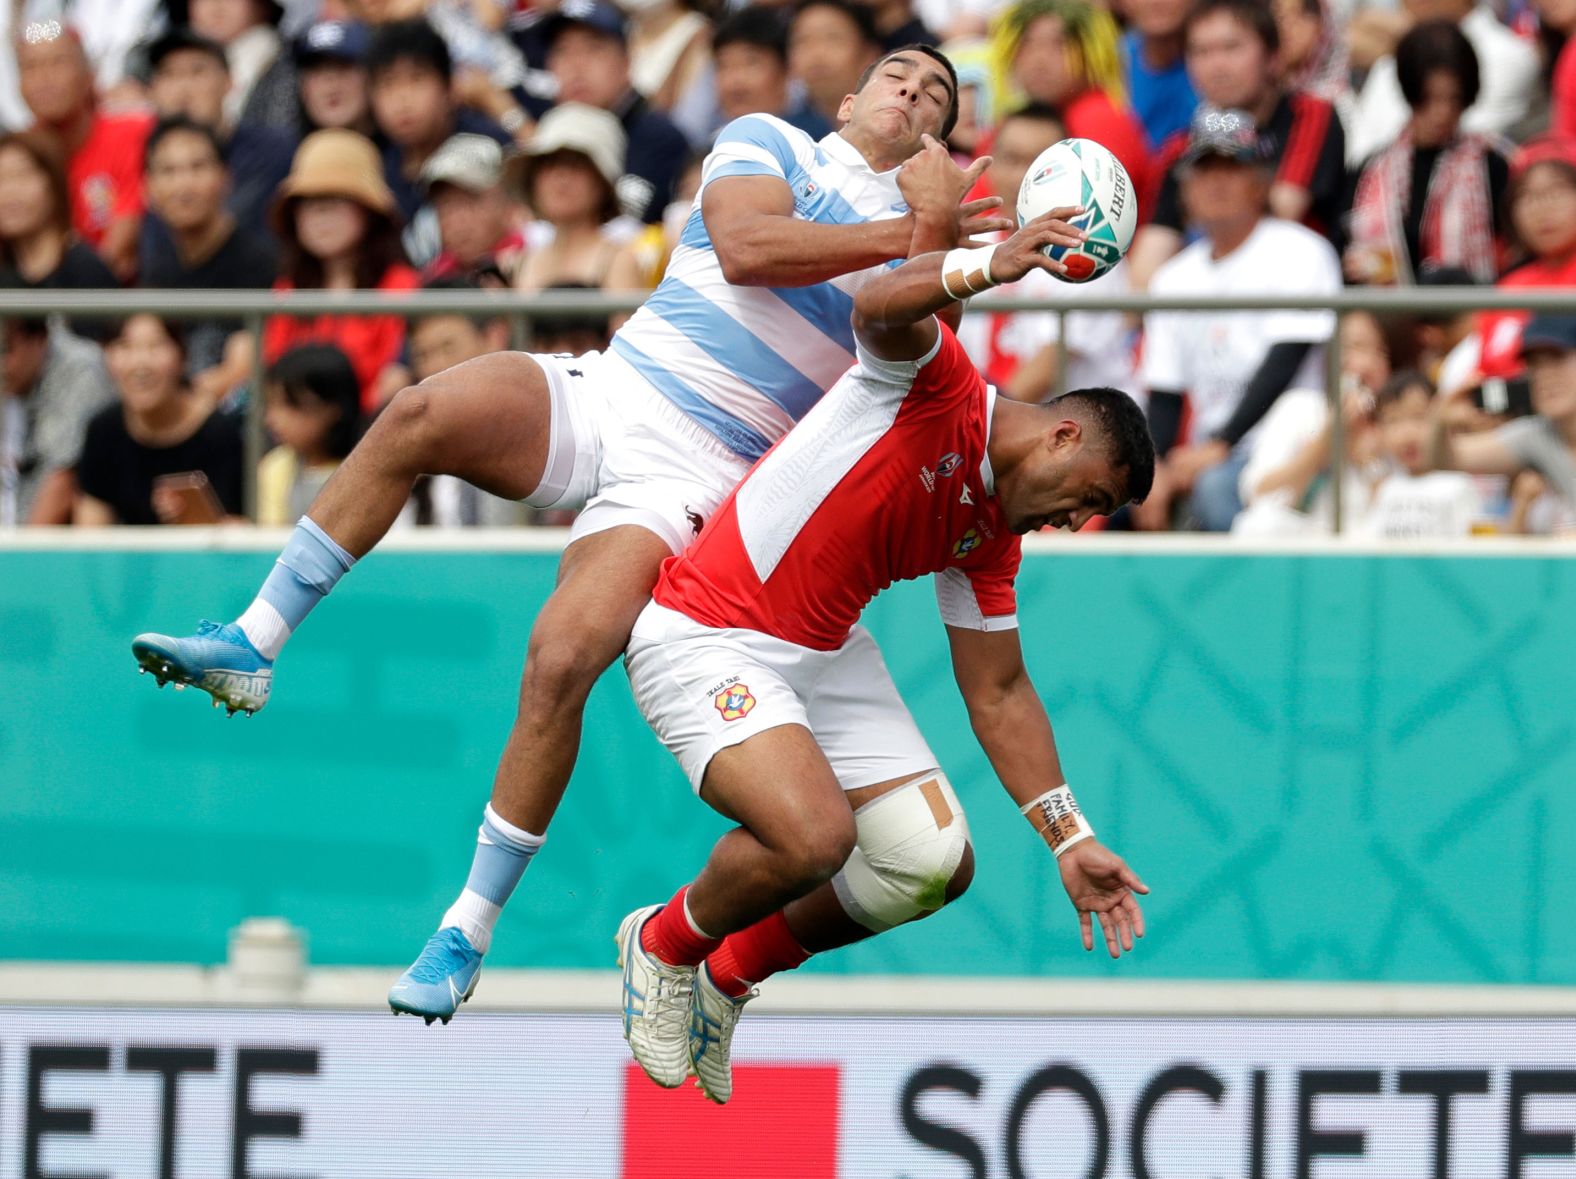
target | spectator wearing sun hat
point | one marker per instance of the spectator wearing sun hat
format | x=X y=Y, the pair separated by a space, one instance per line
x=568 y=177
x=339 y=227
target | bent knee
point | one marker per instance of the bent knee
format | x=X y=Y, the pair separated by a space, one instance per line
x=567 y=662
x=818 y=853
x=962 y=876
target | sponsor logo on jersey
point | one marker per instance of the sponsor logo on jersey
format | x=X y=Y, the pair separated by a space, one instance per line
x=734 y=702
x=966 y=545
x=965 y=498
x=949 y=463
x=928 y=478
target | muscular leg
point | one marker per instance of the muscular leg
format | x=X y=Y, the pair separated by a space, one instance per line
x=812 y=924
x=604 y=581
x=796 y=829
x=486 y=421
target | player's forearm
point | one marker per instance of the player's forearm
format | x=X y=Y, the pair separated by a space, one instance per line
x=932 y=234
x=909 y=294
x=1013 y=729
x=771 y=251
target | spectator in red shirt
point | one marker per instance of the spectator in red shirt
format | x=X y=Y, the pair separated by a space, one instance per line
x=1233 y=57
x=1542 y=201
x=339 y=228
x=1065 y=54
x=103 y=152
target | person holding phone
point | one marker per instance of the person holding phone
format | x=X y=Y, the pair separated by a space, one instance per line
x=162 y=454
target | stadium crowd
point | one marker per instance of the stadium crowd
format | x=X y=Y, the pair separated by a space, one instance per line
x=1280 y=146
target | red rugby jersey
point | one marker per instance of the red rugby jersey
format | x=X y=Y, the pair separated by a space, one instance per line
x=885 y=480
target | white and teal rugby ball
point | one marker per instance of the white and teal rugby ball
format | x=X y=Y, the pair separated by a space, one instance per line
x=1081 y=172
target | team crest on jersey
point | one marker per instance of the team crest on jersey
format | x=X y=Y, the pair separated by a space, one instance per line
x=734 y=702
x=949 y=463
x=969 y=542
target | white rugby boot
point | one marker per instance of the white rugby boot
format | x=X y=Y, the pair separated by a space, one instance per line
x=712 y=1017
x=656 y=1005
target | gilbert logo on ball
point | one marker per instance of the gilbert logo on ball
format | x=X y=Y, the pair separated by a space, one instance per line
x=1081 y=172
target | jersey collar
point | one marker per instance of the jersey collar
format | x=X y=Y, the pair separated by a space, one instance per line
x=844 y=152
x=988 y=476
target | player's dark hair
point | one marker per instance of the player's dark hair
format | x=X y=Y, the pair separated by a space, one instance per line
x=1436 y=46
x=1255 y=15
x=755 y=25
x=321 y=374
x=1125 y=430
x=456 y=282
x=413 y=41
x=929 y=51
x=1037 y=112
x=858 y=15
x=1400 y=385
x=176 y=125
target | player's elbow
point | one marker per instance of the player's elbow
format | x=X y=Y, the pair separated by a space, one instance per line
x=744 y=262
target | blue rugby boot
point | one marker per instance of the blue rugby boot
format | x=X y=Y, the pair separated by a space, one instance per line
x=218 y=659
x=440 y=980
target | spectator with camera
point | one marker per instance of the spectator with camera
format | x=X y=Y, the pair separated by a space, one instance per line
x=54 y=384
x=1543 y=442
x=162 y=454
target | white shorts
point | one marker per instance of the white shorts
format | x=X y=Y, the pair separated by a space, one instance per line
x=703 y=690
x=624 y=454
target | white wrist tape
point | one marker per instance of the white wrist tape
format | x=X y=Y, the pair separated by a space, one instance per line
x=1058 y=819
x=967 y=272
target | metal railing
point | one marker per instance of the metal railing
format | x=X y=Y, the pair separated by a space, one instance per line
x=253 y=308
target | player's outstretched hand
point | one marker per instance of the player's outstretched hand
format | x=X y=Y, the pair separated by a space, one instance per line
x=1021 y=252
x=1100 y=884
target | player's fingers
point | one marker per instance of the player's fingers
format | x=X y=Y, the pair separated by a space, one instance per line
x=1087 y=928
x=1130 y=878
x=979 y=205
x=1049 y=265
x=972 y=225
x=1124 y=925
x=1135 y=913
x=1109 y=928
x=927 y=141
x=976 y=170
x=1064 y=213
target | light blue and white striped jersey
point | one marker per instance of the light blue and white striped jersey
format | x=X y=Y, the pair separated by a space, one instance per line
x=748 y=362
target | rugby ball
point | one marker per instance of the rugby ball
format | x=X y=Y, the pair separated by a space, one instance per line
x=1081 y=172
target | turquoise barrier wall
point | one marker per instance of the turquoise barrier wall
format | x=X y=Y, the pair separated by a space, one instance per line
x=1327 y=767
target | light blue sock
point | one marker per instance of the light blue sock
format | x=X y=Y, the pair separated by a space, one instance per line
x=502 y=853
x=309 y=567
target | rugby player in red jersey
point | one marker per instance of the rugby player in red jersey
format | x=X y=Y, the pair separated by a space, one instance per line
x=750 y=665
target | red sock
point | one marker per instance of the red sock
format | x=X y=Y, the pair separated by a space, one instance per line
x=753 y=954
x=672 y=936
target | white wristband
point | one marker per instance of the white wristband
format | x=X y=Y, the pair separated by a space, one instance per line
x=1058 y=819
x=967 y=272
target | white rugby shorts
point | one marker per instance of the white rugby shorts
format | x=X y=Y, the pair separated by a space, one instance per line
x=703 y=690
x=624 y=454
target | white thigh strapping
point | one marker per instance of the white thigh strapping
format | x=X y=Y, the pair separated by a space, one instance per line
x=911 y=841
